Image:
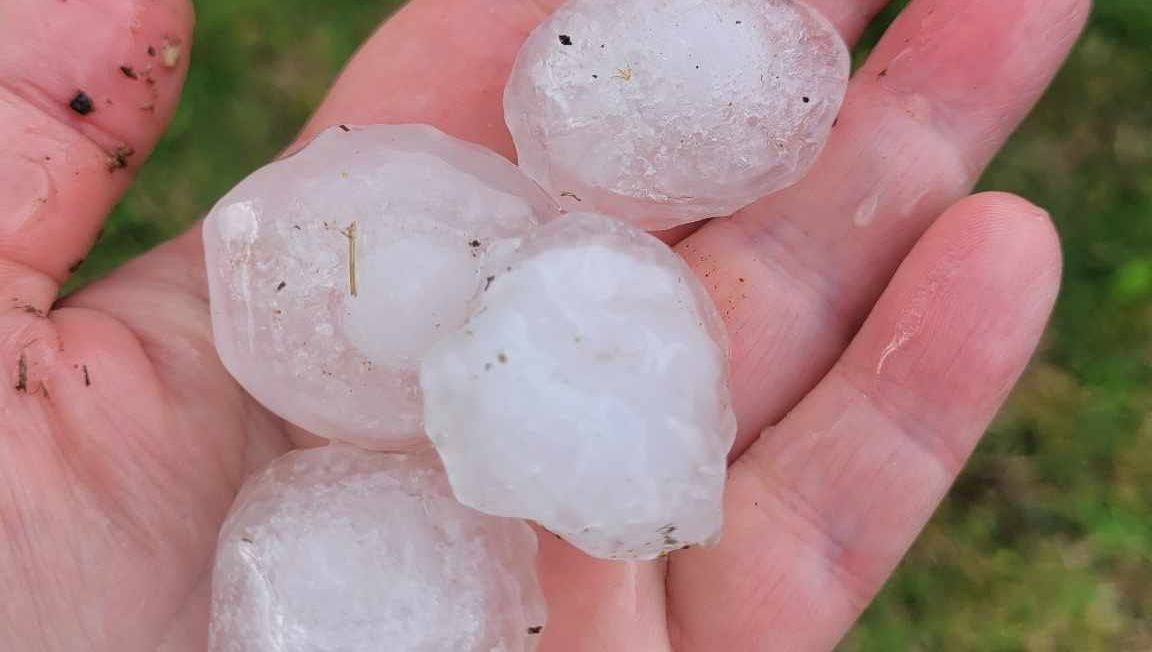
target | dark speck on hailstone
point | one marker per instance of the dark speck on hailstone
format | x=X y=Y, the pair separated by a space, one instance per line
x=565 y=39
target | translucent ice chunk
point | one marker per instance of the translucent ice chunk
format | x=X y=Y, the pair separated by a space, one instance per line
x=342 y=550
x=668 y=112
x=332 y=270
x=589 y=392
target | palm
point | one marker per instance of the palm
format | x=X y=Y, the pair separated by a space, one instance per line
x=124 y=440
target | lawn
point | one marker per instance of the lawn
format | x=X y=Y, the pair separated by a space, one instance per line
x=1046 y=543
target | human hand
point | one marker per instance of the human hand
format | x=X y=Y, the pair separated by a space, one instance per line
x=878 y=320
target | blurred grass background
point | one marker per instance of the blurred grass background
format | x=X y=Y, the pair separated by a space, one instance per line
x=1046 y=543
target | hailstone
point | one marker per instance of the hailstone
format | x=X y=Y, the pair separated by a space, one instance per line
x=588 y=392
x=342 y=550
x=331 y=271
x=671 y=111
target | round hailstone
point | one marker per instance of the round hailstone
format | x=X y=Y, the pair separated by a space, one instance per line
x=333 y=270
x=668 y=112
x=589 y=392
x=341 y=549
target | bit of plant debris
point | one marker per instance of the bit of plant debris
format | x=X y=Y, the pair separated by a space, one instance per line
x=170 y=52
x=129 y=72
x=350 y=233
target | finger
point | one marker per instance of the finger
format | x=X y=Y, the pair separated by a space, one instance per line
x=404 y=74
x=86 y=89
x=823 y=506
x=795 y=274
x=595 y=605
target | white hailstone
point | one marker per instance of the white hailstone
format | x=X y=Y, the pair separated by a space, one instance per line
x=666 y=112
x=589 y=393
x=332 y=270
x=338 y=549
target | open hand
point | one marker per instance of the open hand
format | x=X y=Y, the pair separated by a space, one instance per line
x=878 y=319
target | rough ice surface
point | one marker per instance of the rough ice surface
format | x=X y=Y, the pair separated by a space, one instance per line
x=342 y=550
x=332 y=270
x=588 y=392
x=668 y=112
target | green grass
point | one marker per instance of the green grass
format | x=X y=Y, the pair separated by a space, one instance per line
x=1046 y=543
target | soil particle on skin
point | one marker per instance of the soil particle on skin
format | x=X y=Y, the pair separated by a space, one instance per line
x=82 y=103
x=22 y=374
x=87 y=377
x=129 y=72
x=118 y=160
x=535 y=629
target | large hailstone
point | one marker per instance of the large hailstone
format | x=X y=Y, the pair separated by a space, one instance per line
x=588 y=392
x=670 y=111
x=342 y=550
x=333 y=270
